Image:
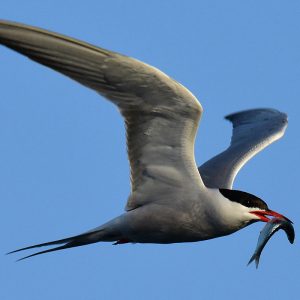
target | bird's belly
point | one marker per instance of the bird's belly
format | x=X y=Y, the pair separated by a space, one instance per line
x=163 y=225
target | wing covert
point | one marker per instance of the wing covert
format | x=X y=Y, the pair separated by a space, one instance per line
x=161 y=115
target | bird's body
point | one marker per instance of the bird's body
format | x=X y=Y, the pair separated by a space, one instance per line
x=171 y=199
x=184 y=220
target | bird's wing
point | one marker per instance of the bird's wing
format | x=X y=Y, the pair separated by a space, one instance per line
x=253 y=130
x=161 y=115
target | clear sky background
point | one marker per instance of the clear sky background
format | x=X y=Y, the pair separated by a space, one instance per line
x=63 y=164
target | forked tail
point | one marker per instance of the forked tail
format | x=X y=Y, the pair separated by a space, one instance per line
x=70 y=242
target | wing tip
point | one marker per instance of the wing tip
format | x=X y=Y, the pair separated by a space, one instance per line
x=236 y=116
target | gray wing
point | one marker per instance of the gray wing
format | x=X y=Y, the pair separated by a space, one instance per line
x=253 y=130
x=161 y=116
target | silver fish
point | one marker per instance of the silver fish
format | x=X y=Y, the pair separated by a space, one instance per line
x=271 y=227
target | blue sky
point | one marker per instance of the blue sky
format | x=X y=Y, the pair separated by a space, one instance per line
x=63 y=164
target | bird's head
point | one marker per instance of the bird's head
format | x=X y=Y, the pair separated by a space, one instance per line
x=256 y=208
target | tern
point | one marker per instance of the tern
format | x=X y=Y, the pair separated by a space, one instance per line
x=171 y=200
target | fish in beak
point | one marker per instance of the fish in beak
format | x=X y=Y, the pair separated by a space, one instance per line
x=270 y=228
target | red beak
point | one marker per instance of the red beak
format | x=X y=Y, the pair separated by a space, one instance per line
x=262 y=214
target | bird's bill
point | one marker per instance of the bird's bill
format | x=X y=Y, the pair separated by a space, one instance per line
x=262 y=214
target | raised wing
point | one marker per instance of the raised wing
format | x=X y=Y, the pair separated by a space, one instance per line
x=161 y=115
x=253 y=130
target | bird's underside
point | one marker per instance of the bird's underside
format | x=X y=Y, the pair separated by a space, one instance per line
x=170 y=200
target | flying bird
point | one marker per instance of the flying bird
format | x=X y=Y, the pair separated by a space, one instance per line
x=171 y=200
